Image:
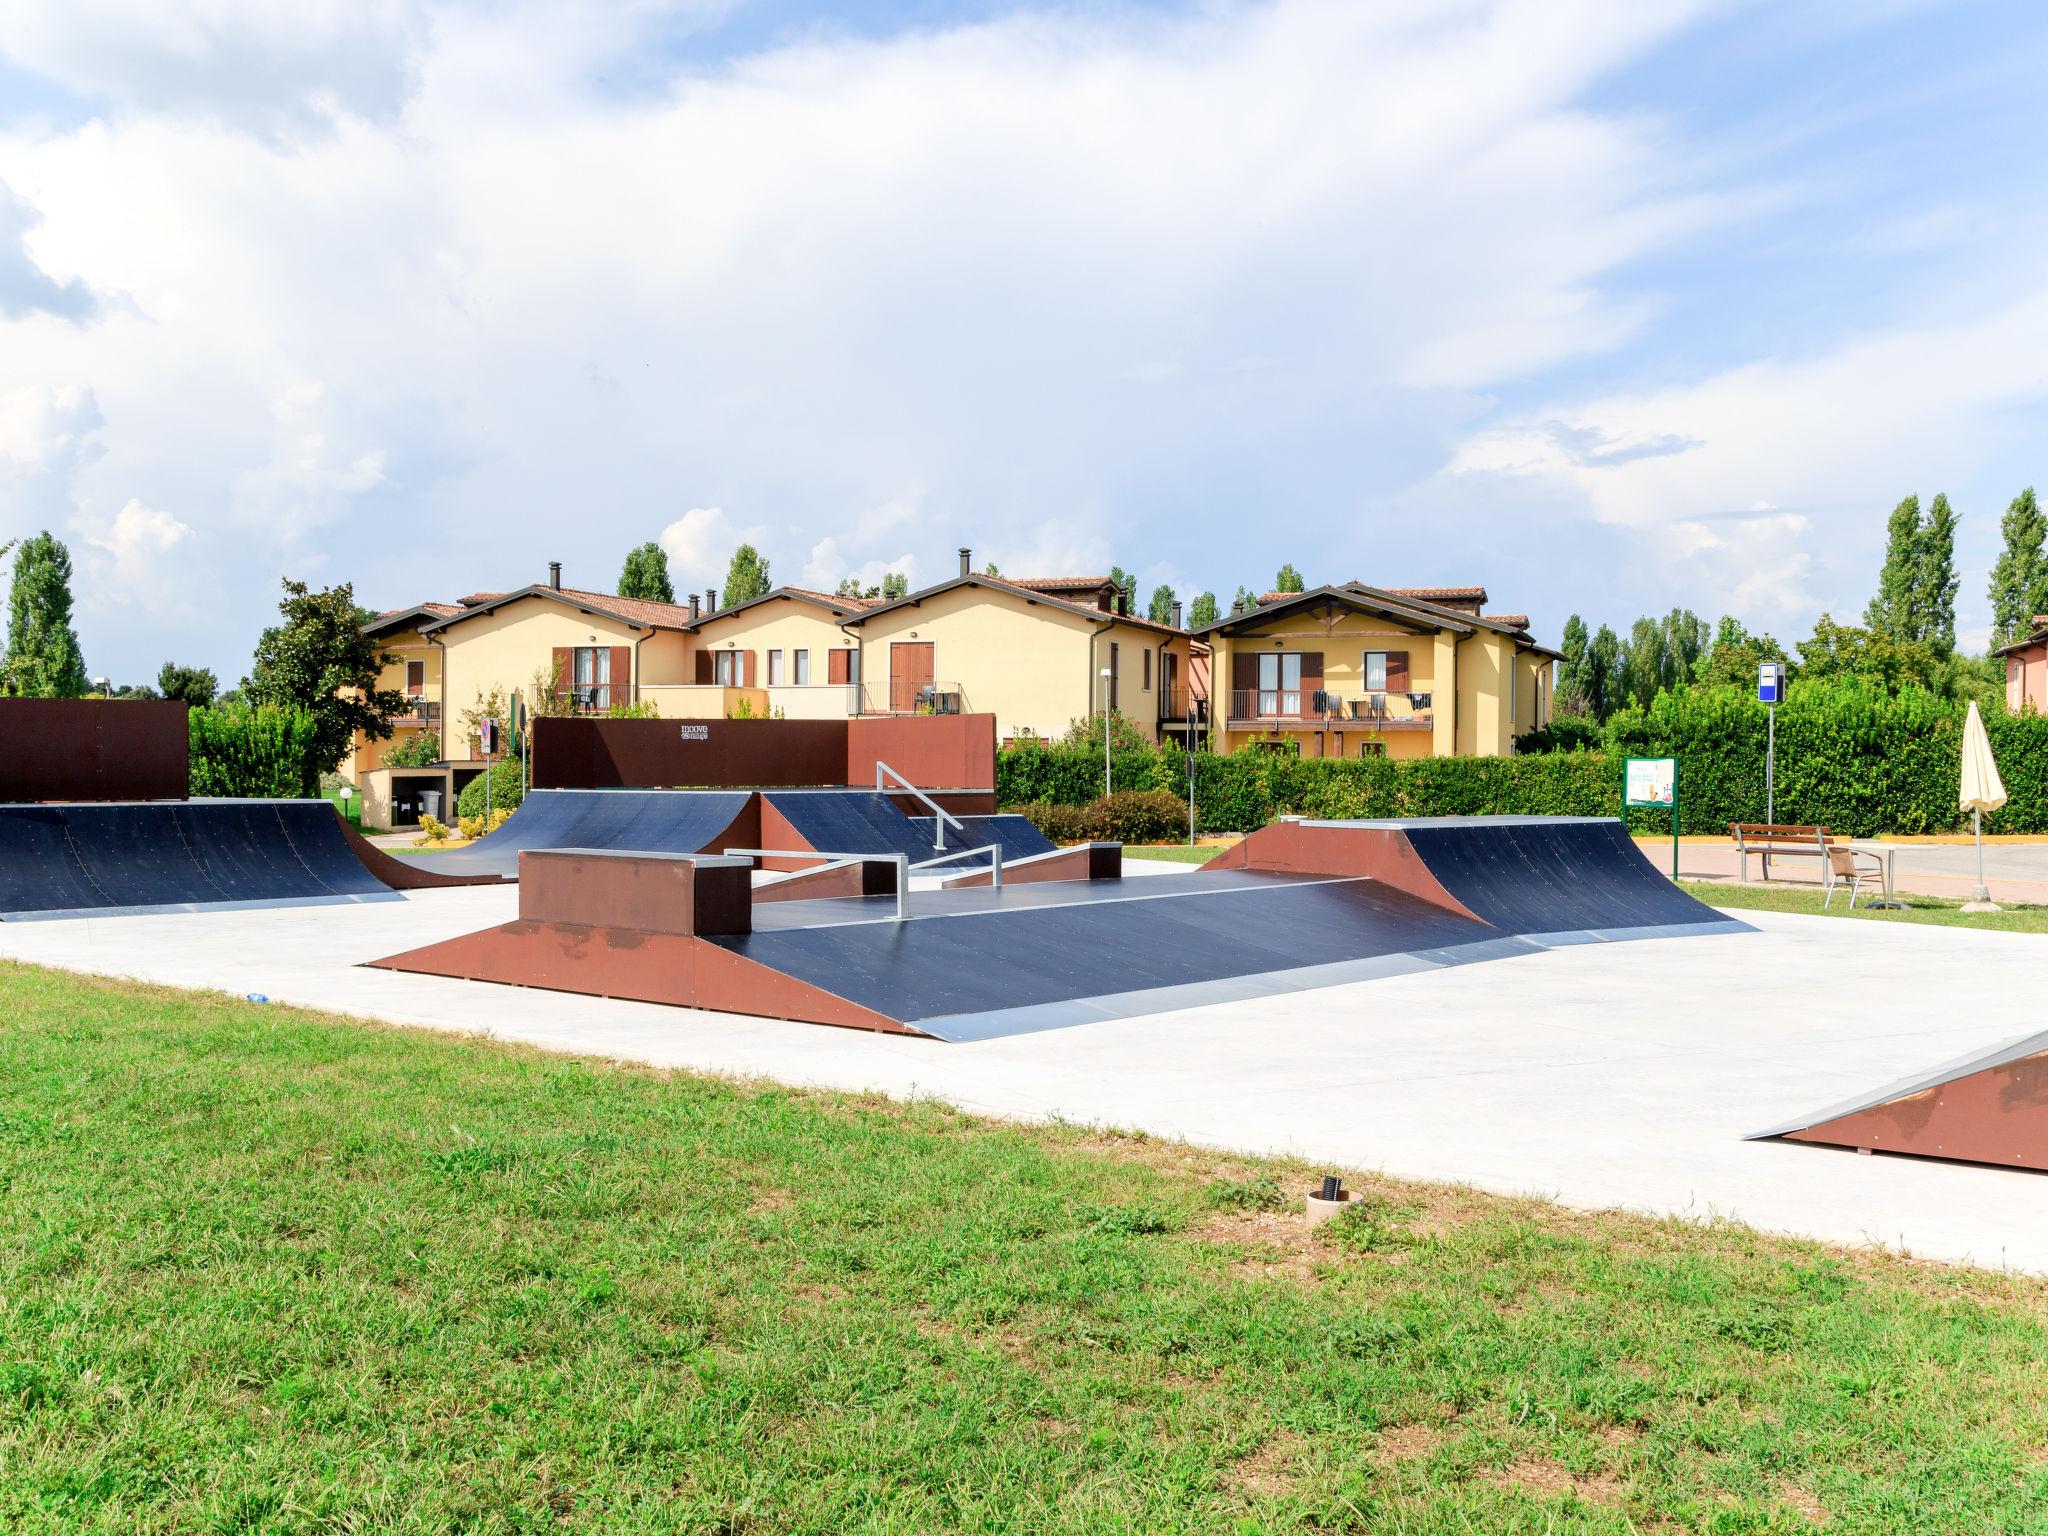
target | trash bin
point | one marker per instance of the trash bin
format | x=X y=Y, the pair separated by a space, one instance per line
x=430 y=803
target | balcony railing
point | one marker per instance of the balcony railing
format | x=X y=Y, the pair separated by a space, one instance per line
x=905 y=696
x=418 y=711
x=1321 y=709
x=1175 y=703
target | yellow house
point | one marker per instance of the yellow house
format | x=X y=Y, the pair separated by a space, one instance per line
x=1037 y=653
x=1358 y=671
x=414 y=670
x=785 y=653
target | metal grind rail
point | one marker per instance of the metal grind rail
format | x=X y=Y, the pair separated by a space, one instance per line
x=904 y=868
x=941 y=818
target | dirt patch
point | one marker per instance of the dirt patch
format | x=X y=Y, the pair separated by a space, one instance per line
x=1406 y=1442
x=1553 y=1480
x=770 y=1199
x=1278 y=1245
x=1268 y=1472
x=1810 y=1508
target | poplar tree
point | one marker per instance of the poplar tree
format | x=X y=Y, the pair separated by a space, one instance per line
x=646 y=575
x=1202 y=610
x=1896 y=608
x=1936 y=598
x=2019 y=579
x=1289 y=579
x=1571 y=670
x=746 y=578
x=43 y=656
x=1160 y=609
x=1603 y=673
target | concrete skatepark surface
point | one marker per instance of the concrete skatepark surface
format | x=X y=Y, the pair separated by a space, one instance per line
x=1600 y=1075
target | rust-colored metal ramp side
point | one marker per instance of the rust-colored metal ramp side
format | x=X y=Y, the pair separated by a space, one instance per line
x=1082 y=861
x=610 y=923
x=1990 y=1107
x=674 y=968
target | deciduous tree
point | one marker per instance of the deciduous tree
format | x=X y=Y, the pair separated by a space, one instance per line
x=1202 y=611
x=646 y=575
x=1936 y=599
x=2019 y=579
x=1896 y=608
x=197 y=686
x=321 y=661
x=746 y=577
x=43 y=656
x=1289 y=579
x=1160 y=609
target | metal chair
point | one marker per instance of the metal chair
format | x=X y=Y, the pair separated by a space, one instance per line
x=1841 y=867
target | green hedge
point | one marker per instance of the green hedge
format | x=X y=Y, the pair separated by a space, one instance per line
x=1851 y=757
x=242 y=750
x=506 y=790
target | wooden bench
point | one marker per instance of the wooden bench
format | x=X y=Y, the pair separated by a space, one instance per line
x=1767 y=838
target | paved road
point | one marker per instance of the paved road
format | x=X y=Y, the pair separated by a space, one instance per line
x=2013 y=871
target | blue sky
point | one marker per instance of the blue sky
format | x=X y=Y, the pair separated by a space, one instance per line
x=1610 y=307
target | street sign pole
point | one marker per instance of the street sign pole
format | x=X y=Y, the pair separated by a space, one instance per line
x=1770 y=688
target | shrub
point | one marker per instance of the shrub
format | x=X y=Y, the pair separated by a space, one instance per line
x=260 y=751
x=506 y=791
x=417 y=749
x=436 y=831
x=1129 y=816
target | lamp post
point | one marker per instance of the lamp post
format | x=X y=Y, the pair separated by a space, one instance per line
x=1106 y=790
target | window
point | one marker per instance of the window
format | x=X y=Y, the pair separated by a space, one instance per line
x=1278 y=748
x=1113 y=678
x=1372 y=749
x=593 y=677
x=725 y=669
x=800 y=668
x=1147 y=685
x=775 y=669
x=1280 y=683
x=1375 y=671
x=415 y=678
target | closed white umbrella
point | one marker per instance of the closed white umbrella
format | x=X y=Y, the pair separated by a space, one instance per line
x=1982 y=791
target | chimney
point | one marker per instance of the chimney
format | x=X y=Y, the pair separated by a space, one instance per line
x=966 y=561
x=695 y=611
x=555 y=574
x=711 y=599
x=1123 y=602
x=1176 y=613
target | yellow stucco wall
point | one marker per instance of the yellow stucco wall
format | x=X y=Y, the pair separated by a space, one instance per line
x=506 y=648
x=1035 y=667
x=1474 y=680
x=404 y=646
x=1027 y=664
x=787 y=625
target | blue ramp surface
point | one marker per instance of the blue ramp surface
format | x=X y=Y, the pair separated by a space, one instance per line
x=978 y=964
x=1554 y=877
x=68 y=860
x=630 y=820
x=862 y=821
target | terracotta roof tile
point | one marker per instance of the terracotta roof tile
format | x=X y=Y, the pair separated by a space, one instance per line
x=1512 y=620
x=1057 y=583
x=833 y=597
x=633 y=610
x=1436 y=594
x=1039 y=589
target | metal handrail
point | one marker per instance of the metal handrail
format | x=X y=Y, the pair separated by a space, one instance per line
x=830 y=860
x=941 y=817
x=993 y=850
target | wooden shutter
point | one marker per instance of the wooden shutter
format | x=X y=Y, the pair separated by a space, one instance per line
x=415 y=676
x=1397 y=671
x=838 y=666
x=747 y=676
x=1311 y=681
x=704 y=665
x=1114 y=680
x=565 y=669
x=622 y=675
x=1148 y=669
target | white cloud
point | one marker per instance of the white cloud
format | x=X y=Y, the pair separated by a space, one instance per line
x=699 y=545
x=425 y=300
x=1816 y=449
x=132 y=555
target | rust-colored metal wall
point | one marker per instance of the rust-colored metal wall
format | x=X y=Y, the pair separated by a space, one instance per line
x=649 y=892
x=577 y=753
x=1996 y=1114
x=1377 y=853
x=94 y=749
x=932 y=751
x=867 y=878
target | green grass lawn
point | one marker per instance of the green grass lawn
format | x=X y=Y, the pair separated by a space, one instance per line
x=267 y=1271
x=1916 y=909
x=1173 y=853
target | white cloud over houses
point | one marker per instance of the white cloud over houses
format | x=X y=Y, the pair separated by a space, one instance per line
x=424 y=295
